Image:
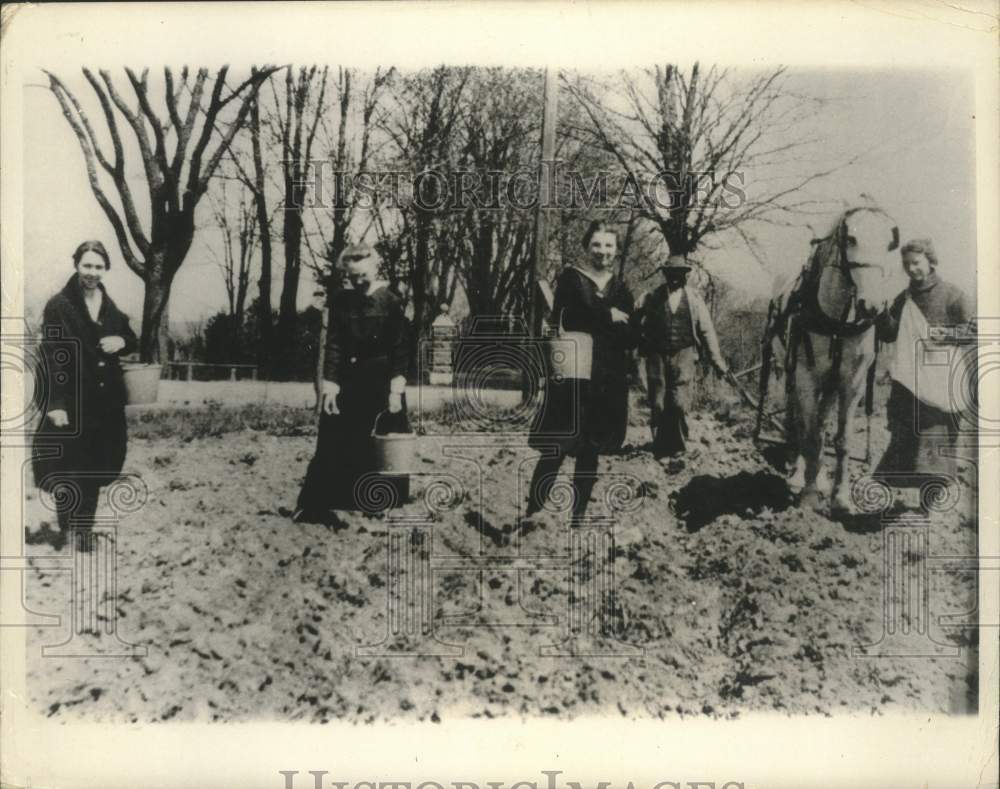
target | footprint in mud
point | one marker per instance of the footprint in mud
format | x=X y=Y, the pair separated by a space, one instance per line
x=499 y=537
x=707 y=497
x=45 y=535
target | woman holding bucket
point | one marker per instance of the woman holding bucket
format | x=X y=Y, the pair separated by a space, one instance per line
x=585 y=411
x=80 y=444
x=929 y=321
x=363 y=390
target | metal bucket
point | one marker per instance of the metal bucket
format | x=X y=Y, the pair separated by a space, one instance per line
x=142 y=382
x=393 y=451
x=571 y=354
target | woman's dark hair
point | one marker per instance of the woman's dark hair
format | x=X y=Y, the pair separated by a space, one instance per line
x=91 y=246
x=921 y=246
x=598 y=226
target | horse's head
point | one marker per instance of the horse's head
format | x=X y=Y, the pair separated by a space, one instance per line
x=866 y=238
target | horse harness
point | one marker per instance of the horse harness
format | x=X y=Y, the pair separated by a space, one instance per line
x=803 y=313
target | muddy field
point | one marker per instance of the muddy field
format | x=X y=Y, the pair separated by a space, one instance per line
x=727 y=597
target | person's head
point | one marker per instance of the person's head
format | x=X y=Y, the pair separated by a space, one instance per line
x=360 y=263
x=919 y=259
x=675 y=272
x=601 y=243
x=91 y=261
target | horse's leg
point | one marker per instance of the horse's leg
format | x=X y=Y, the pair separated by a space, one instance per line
x=848 y=395
x=805 y=404
x=846 y=405
x=791 y=425
x=814 y=439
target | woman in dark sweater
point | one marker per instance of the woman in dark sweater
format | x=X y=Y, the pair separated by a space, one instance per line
x=80 y=444
x=364 y=380
x=586 y=417
x=926 y=399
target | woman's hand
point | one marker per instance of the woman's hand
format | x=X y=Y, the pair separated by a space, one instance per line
x=58 y=417
x=330 y=392
x=112 y=344
x=397 y=386
x=618 y=316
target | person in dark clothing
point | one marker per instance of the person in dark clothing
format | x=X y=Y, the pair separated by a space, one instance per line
x=81 y=442
x=364 y=380
x=677 y=330
x=930 y=317
x=586 y=417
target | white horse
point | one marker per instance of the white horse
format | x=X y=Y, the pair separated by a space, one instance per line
x=824 y=324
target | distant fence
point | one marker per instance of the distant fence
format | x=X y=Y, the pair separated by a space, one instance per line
x=205 y=371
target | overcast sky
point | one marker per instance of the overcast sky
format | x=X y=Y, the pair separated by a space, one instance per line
x=914 y=132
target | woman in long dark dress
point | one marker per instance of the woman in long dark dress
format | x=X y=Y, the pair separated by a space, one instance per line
x=80 y=444
x=581 y=417
x=364 y=380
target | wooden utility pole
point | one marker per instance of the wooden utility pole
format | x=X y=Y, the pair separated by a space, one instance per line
x=550 y=101
x=545 y=178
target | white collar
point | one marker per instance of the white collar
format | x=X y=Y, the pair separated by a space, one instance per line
x=373 y=287
x=601 y=283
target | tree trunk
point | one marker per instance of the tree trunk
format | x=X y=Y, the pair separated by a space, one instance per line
x=163 y=335
x=418 y=284
x=154 y=309
x=287 y=313
x=264 y=327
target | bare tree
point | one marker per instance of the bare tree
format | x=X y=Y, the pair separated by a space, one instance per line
x=351 y=147
x=176 y=180
x=265 y=334
x=254 y=177
x=684 y=142
x=424 y=129
x=297 y=116
x=500 y=135
x=238 y=228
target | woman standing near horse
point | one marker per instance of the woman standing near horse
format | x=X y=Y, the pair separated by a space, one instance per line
x=80 y=445
x=586 y=417
x=922 y=409
x=364 y=376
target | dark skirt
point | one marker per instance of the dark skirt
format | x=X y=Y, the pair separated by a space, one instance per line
x=90 y=454
x=579 y=416
x=921 y=441
x=342 y=474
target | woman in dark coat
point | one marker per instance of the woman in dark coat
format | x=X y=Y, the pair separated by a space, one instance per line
x=926 y=399
x=364 y=379
x=80 y=444
x=582 y=417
